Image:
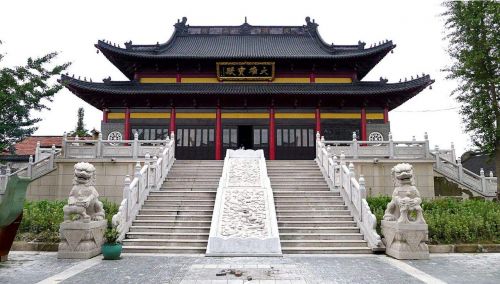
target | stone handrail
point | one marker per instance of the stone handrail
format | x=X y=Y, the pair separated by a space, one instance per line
x=76 y=148
x=33 y=170
x=453 y=169
x=342 y=177
x=149 y=176
x=446 y=162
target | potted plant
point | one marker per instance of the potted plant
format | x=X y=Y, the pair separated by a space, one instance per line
x=111 y=249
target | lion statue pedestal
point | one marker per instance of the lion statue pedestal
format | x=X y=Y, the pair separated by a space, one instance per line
x=404 y=228
x=82 y=232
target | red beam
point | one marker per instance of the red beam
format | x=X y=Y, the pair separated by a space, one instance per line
x=218 y=134
x=172 y=119
x=127 y=124
x=363 y=124
x=386 y=115
x=318 y=120
x=272 y=135
x=105 y=115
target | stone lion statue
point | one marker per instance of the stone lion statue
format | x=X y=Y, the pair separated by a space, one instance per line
x=83 y=198
x=405 y=197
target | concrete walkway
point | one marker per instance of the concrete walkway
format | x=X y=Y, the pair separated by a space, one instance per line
x=33 y=267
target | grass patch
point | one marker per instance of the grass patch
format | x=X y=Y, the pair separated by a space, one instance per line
x=41 y=220
x=453 y=221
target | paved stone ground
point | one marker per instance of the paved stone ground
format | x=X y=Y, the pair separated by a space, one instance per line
x=29 y=267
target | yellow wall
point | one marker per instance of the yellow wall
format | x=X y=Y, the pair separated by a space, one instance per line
x=214 y=80
x=245 y=115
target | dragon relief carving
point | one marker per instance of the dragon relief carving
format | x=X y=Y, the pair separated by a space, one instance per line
x=244 y=172
x=244 y=214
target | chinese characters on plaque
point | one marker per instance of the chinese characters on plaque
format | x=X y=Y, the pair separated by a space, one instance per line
x=245 y=71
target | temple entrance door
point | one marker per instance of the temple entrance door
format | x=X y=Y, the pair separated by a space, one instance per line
x=195 y=143
x=245 y=136
x=295 y=143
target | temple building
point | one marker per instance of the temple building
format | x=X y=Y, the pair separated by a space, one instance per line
x=257 y=87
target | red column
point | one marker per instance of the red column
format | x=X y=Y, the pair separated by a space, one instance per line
x=105 y=115
x=312 y=78
x=272 y=135
x=386 y=115
x=318 y=120
x=127 y=124
x=178 y=78
x=172 y=119
x=218 y=134
x=363 y=124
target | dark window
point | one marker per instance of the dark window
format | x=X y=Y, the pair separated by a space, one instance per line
x=278 y=137
x=256 y=137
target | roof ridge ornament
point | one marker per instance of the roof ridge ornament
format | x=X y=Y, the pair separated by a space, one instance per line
x=181 y=26
x=311 y=25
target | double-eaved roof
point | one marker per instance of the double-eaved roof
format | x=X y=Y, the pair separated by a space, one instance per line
x=244 y=42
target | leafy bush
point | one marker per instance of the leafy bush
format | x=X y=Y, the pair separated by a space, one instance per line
x=111 y=235
x=41 y=219
x=453 y=221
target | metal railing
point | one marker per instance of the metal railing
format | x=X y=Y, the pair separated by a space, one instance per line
x=149 y=176
x=342 y=177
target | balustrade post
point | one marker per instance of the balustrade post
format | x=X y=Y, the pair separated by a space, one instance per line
x=453 y=157
x=438 y=160
x=155 y=175
x=99 y=146
x=52 y=156
x=491 y=174
x=426 y=145
x=354 y=146
x=30 y=167
x=8 y=171
x=483 y=180
x=64 y=141
x=126 y=196
x=137 y=175
x=322 y=145
x=335 y=165
x=460 y=169
x=147 y=161
x=414 y=141
x=135 y=146
x=318 y=143
x=362 y=195
x=391 y=147
x=37 y=151
x=351 y=175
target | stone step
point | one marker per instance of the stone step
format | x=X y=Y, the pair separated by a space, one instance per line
x=157 y=235
x=299 y=188
x=321 y=224
x=305 y=207
x=192 y=196
x=203 y=180
x=326 y=250
x=190 y=184
x=323 y=243
x=298 y=183
x=176 y=223
x=174 y=217
x=180 y=192
x=189 y=188
x=318 y=230
x=314 y=203
x=178 y=207
x=170 y=229
x=311 y=212
x=174 y=212
x=166 y=243
x=159 y=249
x=293 y=193
x=318 y=236
x=314 y=218
x=311 y=198
x=168 y=202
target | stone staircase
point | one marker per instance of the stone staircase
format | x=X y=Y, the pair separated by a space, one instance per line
x=177 y=218
x=311 y=218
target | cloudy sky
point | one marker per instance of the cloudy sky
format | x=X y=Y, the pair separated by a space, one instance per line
x=34 y=28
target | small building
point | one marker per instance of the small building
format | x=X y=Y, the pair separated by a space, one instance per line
x=257 y=87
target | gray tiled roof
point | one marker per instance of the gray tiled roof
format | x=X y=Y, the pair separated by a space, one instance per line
x=246 y=42
x=135 y=88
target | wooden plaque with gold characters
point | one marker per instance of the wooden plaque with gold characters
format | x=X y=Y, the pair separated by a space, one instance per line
x=235 y=71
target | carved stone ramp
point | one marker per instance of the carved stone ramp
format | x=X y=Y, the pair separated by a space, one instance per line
x=311 y=218
x=176 y=218
x=244 y=219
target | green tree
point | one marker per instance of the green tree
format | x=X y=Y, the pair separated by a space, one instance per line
x=80 y=129
x=473 y=33
x=22 y=90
